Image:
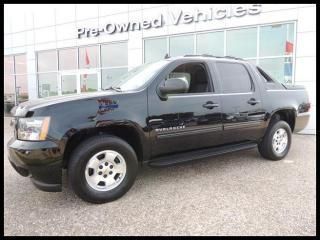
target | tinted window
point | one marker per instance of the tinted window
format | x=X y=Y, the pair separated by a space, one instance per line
x=196 y=76
x=234 y=77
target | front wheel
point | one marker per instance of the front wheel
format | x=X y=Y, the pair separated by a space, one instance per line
x=276 y=143
x=102 y=169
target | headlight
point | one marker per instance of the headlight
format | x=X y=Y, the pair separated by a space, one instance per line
x=34 y=128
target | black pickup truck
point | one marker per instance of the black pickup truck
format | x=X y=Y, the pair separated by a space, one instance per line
x=162 y=113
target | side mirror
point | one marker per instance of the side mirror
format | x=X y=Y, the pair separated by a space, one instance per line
x=174 y=85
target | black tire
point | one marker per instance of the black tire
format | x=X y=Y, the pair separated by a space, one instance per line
x=82 y=154
x=265 y=146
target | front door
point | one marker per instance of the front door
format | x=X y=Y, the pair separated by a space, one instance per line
x=243 y=111
x=186 y=121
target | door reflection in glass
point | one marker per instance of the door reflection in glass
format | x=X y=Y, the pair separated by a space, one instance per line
x=88 y=82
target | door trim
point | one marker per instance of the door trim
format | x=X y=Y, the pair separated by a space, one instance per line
x=190 y=132
x=257 y=123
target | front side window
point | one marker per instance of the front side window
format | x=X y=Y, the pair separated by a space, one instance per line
x=234 y=77
x=195 y=74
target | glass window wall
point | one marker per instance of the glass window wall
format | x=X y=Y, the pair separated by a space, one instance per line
x=181 y=45
x=114 y=55
x=68 y=59
x=89 y=57
x=48 y=84
x=47 y=61
x=275 y=50
x=155 y=49
x=242 y=43
x=211 y=43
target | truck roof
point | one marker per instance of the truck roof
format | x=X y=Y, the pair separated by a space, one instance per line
x=227 y=58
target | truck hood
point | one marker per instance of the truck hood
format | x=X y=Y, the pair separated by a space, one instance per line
x=22 y=109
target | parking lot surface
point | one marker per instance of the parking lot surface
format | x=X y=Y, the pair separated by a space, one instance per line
x=233 y=194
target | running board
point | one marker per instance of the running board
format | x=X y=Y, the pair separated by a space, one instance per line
x=174 y=159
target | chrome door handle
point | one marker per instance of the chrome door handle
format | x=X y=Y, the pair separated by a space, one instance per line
x=210 y=105
x=253 y=101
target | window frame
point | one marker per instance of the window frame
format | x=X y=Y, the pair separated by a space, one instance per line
x=60 y=72
x=265 y=76
x=66 y=49
x=14 y=74
x=209 y=76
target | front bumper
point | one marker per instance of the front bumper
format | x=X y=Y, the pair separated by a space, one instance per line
x=302 y=120
x=42 y=161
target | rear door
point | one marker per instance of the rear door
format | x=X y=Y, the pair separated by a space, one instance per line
x=242 y=108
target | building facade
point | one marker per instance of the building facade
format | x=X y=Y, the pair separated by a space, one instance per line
x=54 y=50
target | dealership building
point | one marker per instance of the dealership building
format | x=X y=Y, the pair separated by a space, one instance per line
x=53 y=50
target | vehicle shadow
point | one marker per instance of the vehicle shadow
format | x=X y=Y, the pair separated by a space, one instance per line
x=150 y=177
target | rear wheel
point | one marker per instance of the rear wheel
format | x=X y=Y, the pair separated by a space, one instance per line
x=102 y=169
x=276 y=143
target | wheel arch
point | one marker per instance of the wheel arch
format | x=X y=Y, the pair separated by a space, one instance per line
x=126 y=130
x=286 y=114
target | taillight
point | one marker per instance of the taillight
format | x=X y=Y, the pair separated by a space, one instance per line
x=308 y=106
x=304 y=107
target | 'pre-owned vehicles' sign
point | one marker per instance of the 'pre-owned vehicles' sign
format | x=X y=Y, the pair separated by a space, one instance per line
x=175 y=18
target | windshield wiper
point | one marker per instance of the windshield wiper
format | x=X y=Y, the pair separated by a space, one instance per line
x=118 y=89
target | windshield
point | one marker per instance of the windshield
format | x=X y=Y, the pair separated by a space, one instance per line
x=138 y=76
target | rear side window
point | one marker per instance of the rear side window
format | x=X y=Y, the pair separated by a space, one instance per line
x=234 y=78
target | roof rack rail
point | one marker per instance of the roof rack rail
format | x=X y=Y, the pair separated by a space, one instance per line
x=199 y=55
x=233 y=57
x=208 y=55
